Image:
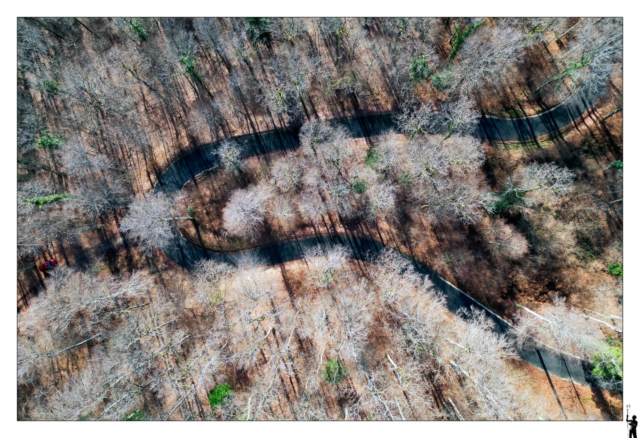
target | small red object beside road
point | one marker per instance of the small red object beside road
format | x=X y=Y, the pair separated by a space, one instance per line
x=46 y=266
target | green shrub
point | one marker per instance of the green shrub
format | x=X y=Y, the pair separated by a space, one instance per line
x=508 y=197
x=608 y=364
x=372 y=157
x=616 y=164
x=189 y=62
x=46 y=199
x=191 y=212
x=499 y=206
x=460 y=37
x=441 y=80
x=419 y=69
x=335 y=372
x=137 y=415
x=615 y=269
x=49 y=141
x=137 y=29
x=589 y=252
x=359 y=186
x=50 y=87
x=218 y=394
x=258 y=29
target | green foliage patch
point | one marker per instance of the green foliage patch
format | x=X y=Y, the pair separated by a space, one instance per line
x=372 y=157
x=137 y=415
x=608 y=364
x=508 y=197
x=616 y=164
x=219 y=393
x=460 y=37
x=615 y=269
x=47 y=199
x=49 y=141
x=189 y=62
x=528 y=146
x=259 y=29
x=334 y=372
x=419 y=69
x=138 y=30
x=442 y=80
x=50 y=87
x=359 y=186
x=589 y=252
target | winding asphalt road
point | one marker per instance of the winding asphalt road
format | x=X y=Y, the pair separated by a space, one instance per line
x=528 y=128
x=196 y=161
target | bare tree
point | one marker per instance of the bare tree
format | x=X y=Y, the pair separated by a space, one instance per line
x=446 y=199
x=381 y=200
x=394 y=276
x=433 y=155
x=282 y=212
x=45 y=226
x=81 y=161
x=313 y=133
x=422 y=327
x=535 y=28
x=283 y=96
x=592 y=56
x=254 y=285
x=481 y=355
x=230 y=154
x=458 y=117
x=76 y=309
x=548 y=179
x=388 y=154
x=409 y=393
x=340 y=197
x=289 y=29
x=326 y=265
x=558 y=326
x=599 y=45
x=504 y=239
x=420 y=120
x=246 y=210
x=204 y=120
x=485 y=55
x=353 y=310
x=335 y=154
x=211 y=282
x=97 y=196
x=213 y=37
x=377 y=400
x=149 y=220
x=287 y=173
x=311 y=206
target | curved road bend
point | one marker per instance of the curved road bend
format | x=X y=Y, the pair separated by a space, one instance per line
x=194 y=162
